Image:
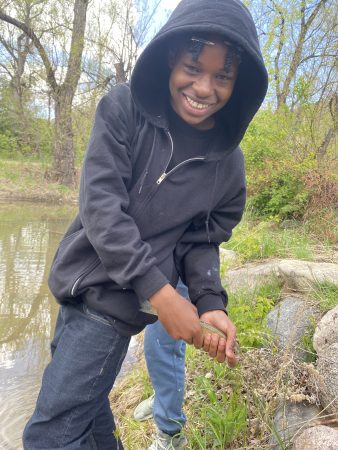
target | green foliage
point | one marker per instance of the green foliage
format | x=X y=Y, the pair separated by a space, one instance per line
x=221 y=420
x=253 y=240
x=82 y=125
x=307 y=342
x=280 y=151
x=327 y=295
x=8 y=145
x=248 y=310
x=24 y=134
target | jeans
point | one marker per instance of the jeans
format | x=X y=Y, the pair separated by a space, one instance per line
x=165 y=358
x=72 y=410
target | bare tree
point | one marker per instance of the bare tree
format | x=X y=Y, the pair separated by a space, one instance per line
x=298 y=40
x=63 y=169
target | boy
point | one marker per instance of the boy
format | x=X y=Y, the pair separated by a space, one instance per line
x=162 y=186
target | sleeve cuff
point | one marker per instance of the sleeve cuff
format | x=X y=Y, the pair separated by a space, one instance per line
x=210 y=302
x=149 y=283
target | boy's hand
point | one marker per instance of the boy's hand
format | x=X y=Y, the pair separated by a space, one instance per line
x=216 y=346
x=178 y=316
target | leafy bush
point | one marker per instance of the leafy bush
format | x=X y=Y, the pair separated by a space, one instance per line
x=282 y=170
x=8 y=145
x=248 y=310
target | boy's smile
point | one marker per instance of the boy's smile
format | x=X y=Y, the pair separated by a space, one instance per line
x=199 y=87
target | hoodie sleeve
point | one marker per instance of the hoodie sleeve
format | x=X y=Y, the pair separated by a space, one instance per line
x=197 y=254
x=104 y=198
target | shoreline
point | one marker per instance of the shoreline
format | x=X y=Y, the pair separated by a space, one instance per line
x=26 y=181
x=33 y=197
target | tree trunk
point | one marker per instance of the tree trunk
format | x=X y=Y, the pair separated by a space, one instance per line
x=63 y=169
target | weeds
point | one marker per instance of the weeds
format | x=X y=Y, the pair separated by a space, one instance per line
x=326 y=294
x=266 y=239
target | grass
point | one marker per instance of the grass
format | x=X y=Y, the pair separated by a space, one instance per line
x=25 y=180
x=226 y=408
x=253 y=240
x=221 y=403
x=326 y=295
x=235 y=408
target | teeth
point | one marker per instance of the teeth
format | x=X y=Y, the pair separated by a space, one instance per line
x=195 y=104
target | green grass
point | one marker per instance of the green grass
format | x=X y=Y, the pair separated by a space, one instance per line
x=26 y=180
x=252 y=240
x=326 y=294
x=248 y=310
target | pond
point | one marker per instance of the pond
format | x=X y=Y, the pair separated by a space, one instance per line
x=29 y=235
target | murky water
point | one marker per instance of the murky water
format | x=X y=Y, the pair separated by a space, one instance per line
x=29 y=235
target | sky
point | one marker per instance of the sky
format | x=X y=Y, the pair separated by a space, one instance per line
x=170 y=4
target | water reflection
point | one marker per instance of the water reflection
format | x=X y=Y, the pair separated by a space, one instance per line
x=29 y=235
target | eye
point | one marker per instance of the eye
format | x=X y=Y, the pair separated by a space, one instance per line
x=223 y=77
x=191 y=69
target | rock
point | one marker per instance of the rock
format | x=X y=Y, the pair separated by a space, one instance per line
x=327 y=378
x=289 y=419
x=317 y=437
x=289 y=321
x=251 y=275
x=326 y=331
x=227 y=256
x=303 y=275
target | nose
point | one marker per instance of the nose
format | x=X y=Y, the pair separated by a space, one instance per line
x=203 y=86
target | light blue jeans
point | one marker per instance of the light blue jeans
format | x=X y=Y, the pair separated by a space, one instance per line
x=165 y=359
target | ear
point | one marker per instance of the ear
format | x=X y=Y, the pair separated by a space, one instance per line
x=171 y=59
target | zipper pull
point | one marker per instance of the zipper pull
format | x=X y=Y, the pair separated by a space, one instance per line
x=162 y=177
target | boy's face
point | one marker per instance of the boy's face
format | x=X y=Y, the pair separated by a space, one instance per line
x=199 y=87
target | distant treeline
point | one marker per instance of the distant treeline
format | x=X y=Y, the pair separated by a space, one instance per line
x=58 y=58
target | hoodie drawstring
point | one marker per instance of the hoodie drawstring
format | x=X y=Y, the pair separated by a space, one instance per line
x=211 y=198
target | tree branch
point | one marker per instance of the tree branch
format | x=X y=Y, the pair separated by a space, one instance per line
x=30 y=33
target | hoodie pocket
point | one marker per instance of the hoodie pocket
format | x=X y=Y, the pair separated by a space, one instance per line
x=73 y=261
x=79 y=280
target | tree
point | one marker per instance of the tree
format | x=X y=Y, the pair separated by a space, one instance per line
x=63 y=169
x=298 y=42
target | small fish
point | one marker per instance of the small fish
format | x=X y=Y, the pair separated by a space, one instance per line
x=207 y=328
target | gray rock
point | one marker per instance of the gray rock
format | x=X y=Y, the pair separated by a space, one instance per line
x=227 y=256
x=327 y=378
x=288 y=322
x=290 y=418
x=303 y=275
x=318 y=437
x=251 y=275
x=326 y=331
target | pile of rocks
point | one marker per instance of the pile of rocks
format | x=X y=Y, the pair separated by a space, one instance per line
x=300 y=425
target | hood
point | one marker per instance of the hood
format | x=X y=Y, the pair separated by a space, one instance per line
x=228 y=18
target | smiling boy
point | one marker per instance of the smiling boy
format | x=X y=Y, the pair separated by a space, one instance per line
x=202 y=79
x=162 y=186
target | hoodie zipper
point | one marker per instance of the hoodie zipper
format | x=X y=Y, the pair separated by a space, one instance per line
x=165 y=174
x=83 y=275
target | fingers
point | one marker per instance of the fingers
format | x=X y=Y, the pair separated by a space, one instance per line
x=220 y=348
x=230 y=348
x=215 y=346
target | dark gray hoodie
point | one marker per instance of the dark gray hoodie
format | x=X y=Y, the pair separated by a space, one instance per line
x=140 y=225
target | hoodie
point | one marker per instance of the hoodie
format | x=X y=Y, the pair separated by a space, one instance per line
x=141 y=225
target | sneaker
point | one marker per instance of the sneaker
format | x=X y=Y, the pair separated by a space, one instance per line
x=164 y=441
x=144 y=410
